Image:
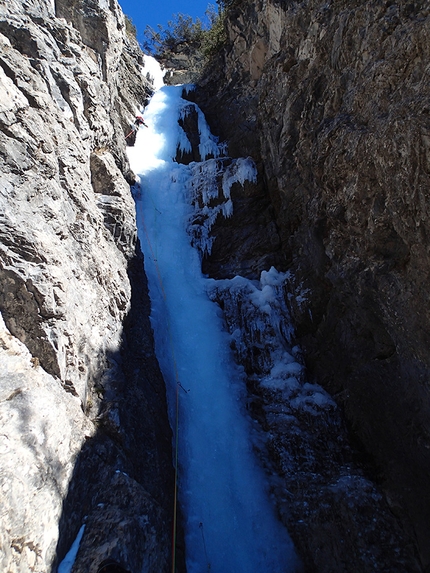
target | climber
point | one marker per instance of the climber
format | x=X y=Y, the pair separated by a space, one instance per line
x=137 y=123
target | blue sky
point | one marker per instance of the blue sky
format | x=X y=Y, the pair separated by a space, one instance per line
x=153 y=12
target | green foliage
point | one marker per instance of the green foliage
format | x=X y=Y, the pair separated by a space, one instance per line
x=215 y=36
x=224 y=4
x=130 y=28
x=205 y=37
x=181 y=30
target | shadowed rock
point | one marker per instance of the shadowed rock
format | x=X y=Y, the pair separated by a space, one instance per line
x=330 y=101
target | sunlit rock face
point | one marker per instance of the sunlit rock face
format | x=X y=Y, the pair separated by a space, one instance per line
x=331 y=101
x=71 y=408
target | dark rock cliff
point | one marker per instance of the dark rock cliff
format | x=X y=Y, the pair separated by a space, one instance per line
x=84 y=432
x=331 y=100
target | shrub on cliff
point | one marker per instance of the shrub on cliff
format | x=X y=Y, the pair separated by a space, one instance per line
x=215 y=36
x=184 y=34
x=181 y=31
x=130 y=28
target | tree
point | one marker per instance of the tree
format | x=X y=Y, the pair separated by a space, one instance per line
x=130 y=28
x=206 y=37
x=224 y=4
x=214 y=37
x=181 y=30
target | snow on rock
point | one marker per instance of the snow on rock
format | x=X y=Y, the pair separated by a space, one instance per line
x=209 y=192
x=258 y=317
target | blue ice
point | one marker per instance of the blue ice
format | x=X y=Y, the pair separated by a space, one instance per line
x=230 y=521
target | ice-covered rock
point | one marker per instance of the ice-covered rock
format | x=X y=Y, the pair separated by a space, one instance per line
x=321 y=488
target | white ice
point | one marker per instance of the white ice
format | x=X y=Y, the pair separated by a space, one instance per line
x=69 y=560
x=153 y=72
x=230 y=521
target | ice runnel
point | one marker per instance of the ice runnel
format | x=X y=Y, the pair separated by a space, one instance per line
x=231 y=526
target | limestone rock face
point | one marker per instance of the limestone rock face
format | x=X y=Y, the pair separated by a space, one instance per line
x=71 y=292
x=38 y=455
x=182 y=68
x=331 y=101
x=182 y=63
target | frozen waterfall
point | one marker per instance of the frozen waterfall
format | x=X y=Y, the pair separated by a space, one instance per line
x=230 y=521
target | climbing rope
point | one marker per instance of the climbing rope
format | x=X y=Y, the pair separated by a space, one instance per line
x=175 y=490
x=204 y=546
x=178 y=386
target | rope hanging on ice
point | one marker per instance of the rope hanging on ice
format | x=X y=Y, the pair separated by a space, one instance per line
x=178 y=385
x=204 y=546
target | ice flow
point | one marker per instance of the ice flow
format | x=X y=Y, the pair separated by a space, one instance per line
x=230 y=522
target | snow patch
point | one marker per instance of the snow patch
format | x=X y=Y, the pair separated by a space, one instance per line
x=69 y=560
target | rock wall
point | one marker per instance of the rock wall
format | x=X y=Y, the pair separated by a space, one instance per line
x=331 y=100
x=84 y=426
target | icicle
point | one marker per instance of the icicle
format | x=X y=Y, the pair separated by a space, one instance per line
x=239 y=171
x=184 y=144
x=209 y=192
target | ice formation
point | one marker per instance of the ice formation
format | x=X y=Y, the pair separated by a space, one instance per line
x=230 y=522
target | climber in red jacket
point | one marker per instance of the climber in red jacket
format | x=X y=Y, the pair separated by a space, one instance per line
x=139 y=121
x=132 y=135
